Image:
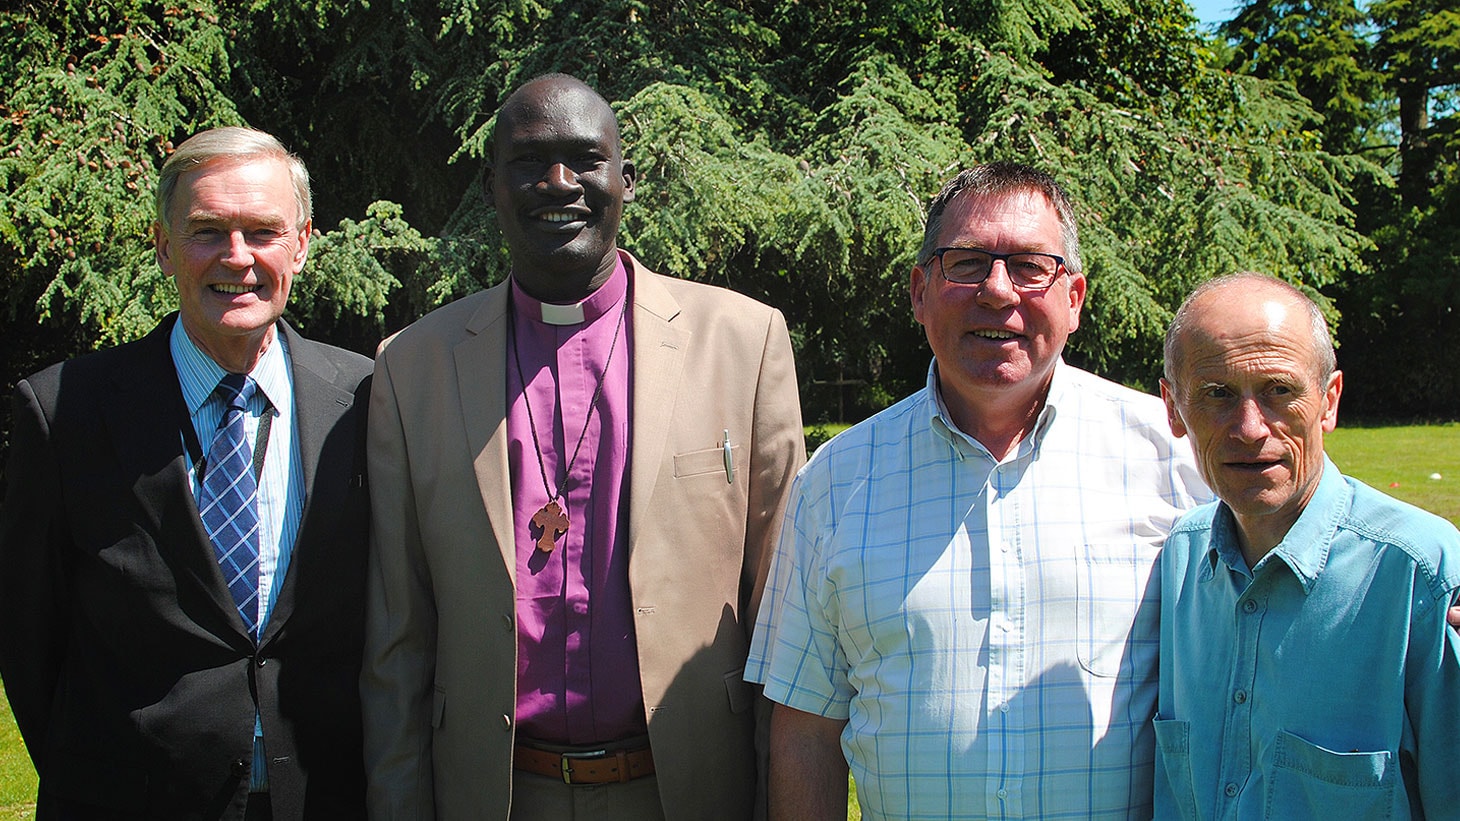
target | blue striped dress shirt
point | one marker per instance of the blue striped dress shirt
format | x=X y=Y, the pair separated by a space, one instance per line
x=281 y=482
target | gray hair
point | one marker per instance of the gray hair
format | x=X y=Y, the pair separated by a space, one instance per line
x=1318 y=325
x=995 y=179
x=230 y=143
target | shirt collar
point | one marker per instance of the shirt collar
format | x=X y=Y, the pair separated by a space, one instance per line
x=1305 y=547
x=597 y=304
x=198 y=375
x=965 y=445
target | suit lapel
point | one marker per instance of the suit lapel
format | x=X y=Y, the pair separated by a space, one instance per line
x=145 y=418
x=481 y=378
x=658 y=359
x=327 y=460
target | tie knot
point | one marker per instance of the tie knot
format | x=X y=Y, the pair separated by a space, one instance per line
x=235 y=390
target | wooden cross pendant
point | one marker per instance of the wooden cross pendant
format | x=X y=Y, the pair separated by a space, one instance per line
x=553 y=522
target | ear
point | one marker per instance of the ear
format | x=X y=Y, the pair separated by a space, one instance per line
x=1330 y=401
x=303 y=252
x=1173 y=415
x=162 y=248
x=1077 y=299
x=917 y=288
x=630 y=175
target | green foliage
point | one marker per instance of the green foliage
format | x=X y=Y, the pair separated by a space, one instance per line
x=1320 y=47
x=344 y=290
x=786 y=150
x=92 y=104
x=1385 y=80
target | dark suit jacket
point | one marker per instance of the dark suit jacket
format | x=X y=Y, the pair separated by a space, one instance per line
x=131 y=674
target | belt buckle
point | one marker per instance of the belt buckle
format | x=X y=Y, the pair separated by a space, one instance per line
x=565 y=758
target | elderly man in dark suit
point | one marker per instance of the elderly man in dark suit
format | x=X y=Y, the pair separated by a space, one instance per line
x=182 y=542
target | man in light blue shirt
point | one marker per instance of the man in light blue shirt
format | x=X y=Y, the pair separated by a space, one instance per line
x=1306 y=667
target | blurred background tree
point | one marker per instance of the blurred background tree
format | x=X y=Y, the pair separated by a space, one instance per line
x=786 y=150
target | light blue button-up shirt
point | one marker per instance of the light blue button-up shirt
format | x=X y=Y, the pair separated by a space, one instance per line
x=281 y=480
x=1322 y=683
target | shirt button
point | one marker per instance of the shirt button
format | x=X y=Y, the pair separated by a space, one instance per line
x=1004 y=708
x=1249 y=606
x=1240 y=696
x=1003 y=794
x=1231 y=791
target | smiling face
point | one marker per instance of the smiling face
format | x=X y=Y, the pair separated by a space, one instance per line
x=1248 y=390
x=996 y=346
x=559 y=183
x=233 y=248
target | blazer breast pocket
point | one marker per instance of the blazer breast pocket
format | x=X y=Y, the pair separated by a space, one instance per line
x=709 y=462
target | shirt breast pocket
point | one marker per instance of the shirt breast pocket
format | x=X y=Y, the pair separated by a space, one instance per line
x=1117 y=608
x=1308 y=780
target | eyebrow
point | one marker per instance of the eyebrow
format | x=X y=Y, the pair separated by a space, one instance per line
x=207 y=218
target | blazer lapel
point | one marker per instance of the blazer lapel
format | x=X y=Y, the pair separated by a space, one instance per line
x=146 y=418
x=658 y=359
x=481 y=378
x=327 y=460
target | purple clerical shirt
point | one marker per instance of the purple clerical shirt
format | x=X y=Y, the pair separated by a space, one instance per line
x=577 y=661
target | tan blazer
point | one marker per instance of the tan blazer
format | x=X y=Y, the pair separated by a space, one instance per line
x=439 y=679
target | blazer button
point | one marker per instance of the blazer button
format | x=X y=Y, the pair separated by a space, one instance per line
x=239 y=768
x=261 y=661
x=507 y=621
x=506 y=722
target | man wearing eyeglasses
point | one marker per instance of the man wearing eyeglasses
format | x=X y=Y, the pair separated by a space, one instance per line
x=962 y=604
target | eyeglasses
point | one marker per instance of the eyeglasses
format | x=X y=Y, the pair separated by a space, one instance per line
x=1028 y=271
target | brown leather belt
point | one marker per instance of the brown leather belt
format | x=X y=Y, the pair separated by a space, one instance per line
x=590 y=767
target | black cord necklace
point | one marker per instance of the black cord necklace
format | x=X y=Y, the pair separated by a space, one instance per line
x=551 y=518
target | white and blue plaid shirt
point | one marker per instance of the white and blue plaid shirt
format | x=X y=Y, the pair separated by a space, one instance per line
x=988 y=629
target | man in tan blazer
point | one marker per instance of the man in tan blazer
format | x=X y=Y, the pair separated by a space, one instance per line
x=577 y=477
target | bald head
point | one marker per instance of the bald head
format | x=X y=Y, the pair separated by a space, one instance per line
x=1250 y=380
x=1227 y=301
x=554 y=97
x=558 y=182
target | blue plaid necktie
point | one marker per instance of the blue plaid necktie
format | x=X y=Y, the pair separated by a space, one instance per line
x=228 y=500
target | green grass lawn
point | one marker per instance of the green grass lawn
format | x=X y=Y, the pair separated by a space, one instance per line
x=1403 y=461
x=1398 y=460
x=17 y=777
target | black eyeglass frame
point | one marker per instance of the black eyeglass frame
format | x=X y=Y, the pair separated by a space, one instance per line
x=1059 y=266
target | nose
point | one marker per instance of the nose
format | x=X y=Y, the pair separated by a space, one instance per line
x=1251 y=423
x=239 y=254
x=559 y=176
x=997 y=289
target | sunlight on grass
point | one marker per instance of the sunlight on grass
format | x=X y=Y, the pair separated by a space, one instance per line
x=1401 y=461
x=17 y=776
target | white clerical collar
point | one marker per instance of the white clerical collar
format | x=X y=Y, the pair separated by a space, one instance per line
x=554 y=314
x=596 y=304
